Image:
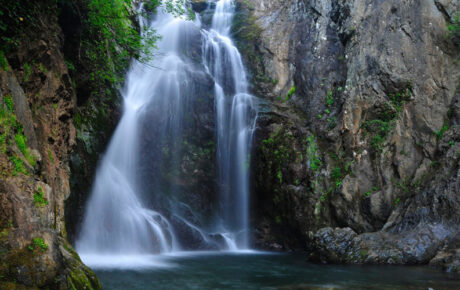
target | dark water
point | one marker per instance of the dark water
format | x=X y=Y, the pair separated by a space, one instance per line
x=272 y=271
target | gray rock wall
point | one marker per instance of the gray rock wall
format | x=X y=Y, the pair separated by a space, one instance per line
x=370 y=136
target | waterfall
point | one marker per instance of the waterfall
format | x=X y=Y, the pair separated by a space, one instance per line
x=131 y=209
x=236 y=116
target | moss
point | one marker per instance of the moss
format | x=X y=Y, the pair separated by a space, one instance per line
x=290 y=94
x=329 y=99
x=363 y=253
x=439 y=134
x=39 y=198
x=78 y=278
x=4 y=233
x=23 y=258
x=277 y=150
x=312 y=153
x=380 y=127
x=37 y=244
x=19 y=166
x=400 y=98
x=247 y=33
x=8 y=100
x=71 y=250
x=369 y=192
x=21 y=143
x=3 y=143
x=337 y=176
x=11 y=129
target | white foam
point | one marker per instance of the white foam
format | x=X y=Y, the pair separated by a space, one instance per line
x=126 y=262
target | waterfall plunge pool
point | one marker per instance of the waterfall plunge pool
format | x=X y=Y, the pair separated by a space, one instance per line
x=259 y=270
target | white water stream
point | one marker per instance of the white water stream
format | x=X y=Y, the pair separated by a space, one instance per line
x=119 y=226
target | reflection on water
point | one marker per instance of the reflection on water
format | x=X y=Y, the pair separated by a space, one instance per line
x=270 y=271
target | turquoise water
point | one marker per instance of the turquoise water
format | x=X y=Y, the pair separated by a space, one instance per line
x=270 y=271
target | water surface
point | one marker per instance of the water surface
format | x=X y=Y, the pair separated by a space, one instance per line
x=270 y=271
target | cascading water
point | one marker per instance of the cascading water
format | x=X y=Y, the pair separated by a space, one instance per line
x=121 y=217
x=235 y=121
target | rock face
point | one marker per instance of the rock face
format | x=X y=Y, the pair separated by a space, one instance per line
x=37 y=102
x=358 y=129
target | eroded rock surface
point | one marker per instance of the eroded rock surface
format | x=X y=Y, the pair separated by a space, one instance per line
x=37 y=103
x=359 y=128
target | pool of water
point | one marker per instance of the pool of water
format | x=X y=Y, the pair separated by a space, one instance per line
x=264 y=271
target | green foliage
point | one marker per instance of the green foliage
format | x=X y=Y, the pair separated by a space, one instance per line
x=7 y=121
x=382 y=126
x=368 y=193
x=21 y=141
x=27 y=72
x=279 y=175
x=114 y=40
x=3 y=61
x=332 y=122
x=329 y=99
x=439 y=134
x=8 y=100
x=38 y=244
x=42 y=68
x=50 y=156
x=77 y=120
x=3 y=143
x=70 y=65
x=8 y=126
x=312 y=153
x=337 y=176
x=290 y=93
x=278 y=219
x=277 y=152
x=39 y=198
x=397 y=201
x=380 y=130
x=246 y=32
x=400 y=98
x=16 y=17
x=454 y=28
x=19 y=166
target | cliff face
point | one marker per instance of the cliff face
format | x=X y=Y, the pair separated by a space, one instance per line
x=359 y=129
x=37 y=136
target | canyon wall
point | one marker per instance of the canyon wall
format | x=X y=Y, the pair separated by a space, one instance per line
x=357 y=152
